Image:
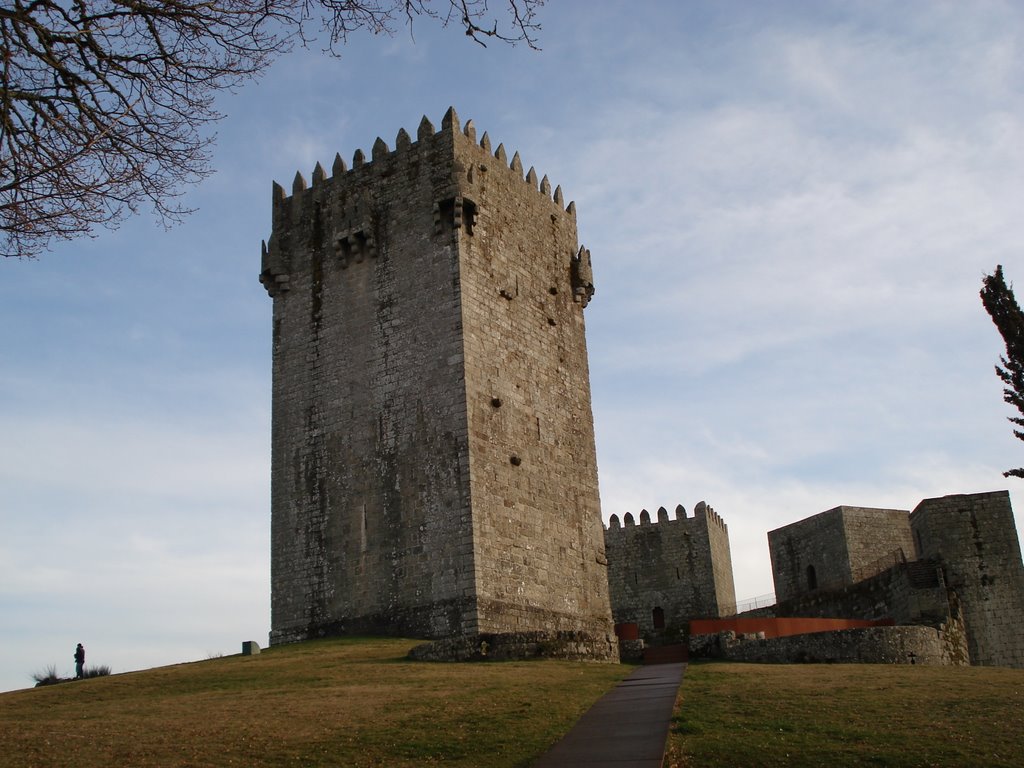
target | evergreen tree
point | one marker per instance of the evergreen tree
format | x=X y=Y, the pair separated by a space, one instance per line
x=1002 y=306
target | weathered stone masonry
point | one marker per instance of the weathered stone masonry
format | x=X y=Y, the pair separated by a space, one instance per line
x=837 y=547
x=663 y=573
x=954 y=564
x=433 y=460
x=974 y=539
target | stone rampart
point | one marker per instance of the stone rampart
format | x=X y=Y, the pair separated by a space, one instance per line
x=957 y=566
x=505 y=646
x=775 y=627
x=871 y=645
x=907 y=593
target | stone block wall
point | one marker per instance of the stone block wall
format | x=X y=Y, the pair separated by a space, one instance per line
x=433 y=462
x=975 y=539
x=872 y=645
x=710 y=525
x=681 y=566
x=808 y=553
x=508 y=646
x=776 y=627
x=533 y=464
x=837 y=547
x=875 y=539
x=907 y=593
x=371 y=528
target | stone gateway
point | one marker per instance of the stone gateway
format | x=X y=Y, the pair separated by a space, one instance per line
x=433 y=462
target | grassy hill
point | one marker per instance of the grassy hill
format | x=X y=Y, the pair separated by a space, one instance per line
x=359 y=702
x=352 y=702
x=841 y=715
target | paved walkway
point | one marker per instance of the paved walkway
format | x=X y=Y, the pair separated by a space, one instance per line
x=628 y=726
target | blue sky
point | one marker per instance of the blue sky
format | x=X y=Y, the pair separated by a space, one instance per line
x=790 y=208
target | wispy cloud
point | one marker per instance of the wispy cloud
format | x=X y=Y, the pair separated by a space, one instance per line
x=790 y=208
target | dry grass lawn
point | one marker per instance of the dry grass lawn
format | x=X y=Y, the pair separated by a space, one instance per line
x=334 y=702
x=359 y=702
x=848 y=715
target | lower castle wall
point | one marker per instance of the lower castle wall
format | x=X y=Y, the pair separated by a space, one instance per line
x=507 y=646
x=872 y=645
x=773 y=627
x=909 y=593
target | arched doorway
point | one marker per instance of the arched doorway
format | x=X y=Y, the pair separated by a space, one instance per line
x=658 y=615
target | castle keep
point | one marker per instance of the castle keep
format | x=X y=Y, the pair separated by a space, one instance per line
x=838 y=547
x=433 y=460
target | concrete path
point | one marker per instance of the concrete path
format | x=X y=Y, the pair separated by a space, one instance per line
x=628 y=726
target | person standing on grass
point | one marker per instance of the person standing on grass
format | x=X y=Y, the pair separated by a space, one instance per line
x=79 y=662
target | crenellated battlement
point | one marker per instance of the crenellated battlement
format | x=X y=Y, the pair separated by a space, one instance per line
x=457 y=171
x=425 y=135
x=701 y=511
x=665 y=571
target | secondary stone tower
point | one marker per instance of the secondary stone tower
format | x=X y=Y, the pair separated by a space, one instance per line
x=974 y=538
x=433 y=460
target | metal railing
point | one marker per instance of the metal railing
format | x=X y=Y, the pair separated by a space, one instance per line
x=866 y=571
x=749 y=604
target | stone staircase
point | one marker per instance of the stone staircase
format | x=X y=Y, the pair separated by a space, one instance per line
x=923 y=574
x=666 y=654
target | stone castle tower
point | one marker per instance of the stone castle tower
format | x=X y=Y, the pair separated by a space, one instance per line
x=974 y=538
x=433 y=460
x=664 y=572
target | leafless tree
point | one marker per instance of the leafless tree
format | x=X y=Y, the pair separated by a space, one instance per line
x=340 y=18
x=105 y=103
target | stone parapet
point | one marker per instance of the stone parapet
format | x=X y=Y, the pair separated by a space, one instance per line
x=872 y=645
x=508 y=646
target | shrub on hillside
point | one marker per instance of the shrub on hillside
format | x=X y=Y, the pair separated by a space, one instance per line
x=48 y=676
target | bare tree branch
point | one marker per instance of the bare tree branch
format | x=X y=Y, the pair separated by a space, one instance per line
x=105 y=104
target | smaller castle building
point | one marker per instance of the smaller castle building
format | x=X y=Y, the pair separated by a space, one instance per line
x=665 y=572
x=954 y=563
x=837 y=547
